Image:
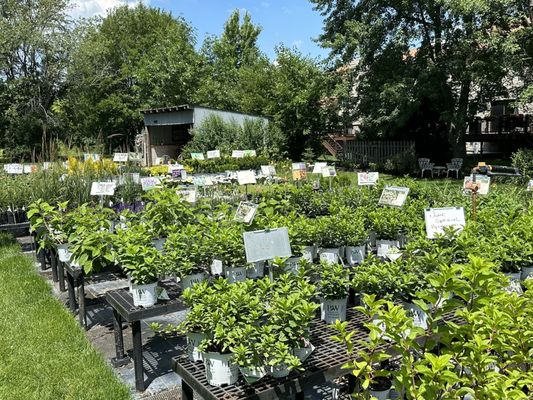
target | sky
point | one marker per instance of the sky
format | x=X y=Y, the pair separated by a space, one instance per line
x=291 y=22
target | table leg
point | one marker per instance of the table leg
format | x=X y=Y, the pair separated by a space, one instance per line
x=299 y=395
x=186 y=391
x=61 y=275
x=53 y=264
x=71 y=294
x=120 y=359
x=81 y=301
x=138 y=355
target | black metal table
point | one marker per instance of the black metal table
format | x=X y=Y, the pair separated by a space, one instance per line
x=324 y=364
x=75 y=280
x=123 y=310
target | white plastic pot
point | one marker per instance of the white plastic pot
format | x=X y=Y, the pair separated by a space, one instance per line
x=188 y=280
x=279 y=371
x=380 y=394
x=514 y=282
x=63 y=253
x=330 y=255
x=217 y=267
x=255 y=270
x=303 y=352
x=219 y=369
x=144 y=295
x=291 y=265
x=527 y=272
x=252 y=375
x=420 y=317
x=355 y=255
x=235 y=274
x=159 y=243
x=309 y=253
x=383 y=246
x=332 y=310
x=193 y=341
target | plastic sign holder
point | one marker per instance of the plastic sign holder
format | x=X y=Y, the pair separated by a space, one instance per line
x=267 y=244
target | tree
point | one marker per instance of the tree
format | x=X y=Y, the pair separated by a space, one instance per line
x=425 y=65
x=34 y=49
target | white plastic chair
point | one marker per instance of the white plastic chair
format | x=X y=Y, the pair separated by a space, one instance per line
x=454 y=166
x=425 y=165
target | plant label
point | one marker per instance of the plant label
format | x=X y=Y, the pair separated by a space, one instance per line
x=246 y=212
x=217 y=267
x=250 y=153
x=317 y=168
x=299 y=166
x=188 y=194
x=246 y=177
x=46 y=165
x=267 y=244
x=149 y=182
x=329 y=171
x=30 y=169
x=120 y=157
x=178 y=173
x=134 y=177
x=299 y=171
x=14 y=168
x=530 y=186
x=393 y=196
x=367 y=178
x=213 y=154
x=237 y=153
x=268 y=170
x=481 y=184
x=91 y=156
x=197 y=156
x=103 y=188
x=439 y=218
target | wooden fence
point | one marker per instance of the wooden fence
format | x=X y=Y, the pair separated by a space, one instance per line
x=376 y=151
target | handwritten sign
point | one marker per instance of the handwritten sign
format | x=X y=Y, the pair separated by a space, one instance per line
x=482 y=184
x=439 y=218
x=213 y=154
x=317 y=168
x=367 y=178
x=149 y=182
x=250 y=153
x=120 y=157
x=103 y=188
x=91 y=156
x=197 y=156
x=237 y=153
x=393 y=196
x=14 y=168
x=268 y=170
x=246 y=212
x=329 y=171
x=530 y=186
x=267 y=244
x=246 y=177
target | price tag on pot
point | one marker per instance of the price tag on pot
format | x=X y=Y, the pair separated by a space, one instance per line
x=393 y=196
x=197 y=156
x=268 y=170
x=150 y=182
x=530 y=186
x=103 y=188
x=439 y=218
x=213 y=154
x=120 y=157
x=237 y=153
x=317 y=168
x=14 y=168
x=481 y=183
x=267 y=244
x=367 y=178
x=246 y=212
x=246 y=177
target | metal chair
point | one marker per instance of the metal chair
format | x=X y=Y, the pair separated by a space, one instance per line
x=425 y=165
x=454 y=166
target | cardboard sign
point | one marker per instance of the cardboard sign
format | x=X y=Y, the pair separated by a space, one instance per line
x=439 y=218
x=267 y=244
x=89 y=156
x=329 y=171
x=530 y=186
x=120 y=157
x=367 y=178
x=393 y=196
x=149 y=182
x=14 y=168
x=317 y=168
x=103 y=188
x=213 y=154
x=246 y=177
x=188 y=194
x=250 y=153
x=237 y=153
x=268 y=170
x=197 y=156
x=482 y=184
x=245 y=212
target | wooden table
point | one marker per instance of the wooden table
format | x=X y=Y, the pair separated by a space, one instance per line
x=123 y=310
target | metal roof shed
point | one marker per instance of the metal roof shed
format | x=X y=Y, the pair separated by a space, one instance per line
x=167 y=129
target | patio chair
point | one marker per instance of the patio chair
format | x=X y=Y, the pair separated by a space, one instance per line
x=454 y=166
x=425 y=165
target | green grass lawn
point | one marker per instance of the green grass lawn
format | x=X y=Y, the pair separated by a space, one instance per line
x=44 y=353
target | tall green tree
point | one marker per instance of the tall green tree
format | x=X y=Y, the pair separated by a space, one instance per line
x=425 y=67
x=34 y=49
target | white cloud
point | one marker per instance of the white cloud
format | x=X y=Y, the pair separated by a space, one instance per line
x=91 y=8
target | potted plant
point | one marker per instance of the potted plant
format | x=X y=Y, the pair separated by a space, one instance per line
x=330 y=238
x=303 y=238
x=388 y=224
x=333 y=290
x=228 y=246
x=513 y=253
x=356 y=239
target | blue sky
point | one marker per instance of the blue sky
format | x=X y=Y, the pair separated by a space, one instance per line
x=291 y=22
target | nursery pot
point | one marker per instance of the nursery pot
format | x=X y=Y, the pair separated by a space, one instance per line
x=193 y=341
x=383 y=246
x=159 y=243
x=144 y=295
x=330 y=255
x=333 y=309
x=355 y=254
x=514 y=282
x=280 y=371
x=235 y=274
x=219 y=369
x=255 y=270
x=303 y=352
x=527 y=272
x=253 y=374
x=63 y=253
x=420 y=317
x=291 y=265
x=381 y=389
x=309 y=253
x=188 y=280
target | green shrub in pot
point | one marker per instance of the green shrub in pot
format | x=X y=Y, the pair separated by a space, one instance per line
x=53 y=224
x=333 y=287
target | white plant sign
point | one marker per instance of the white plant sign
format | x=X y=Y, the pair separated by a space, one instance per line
x=197 y=156
x=317 y=168
x=482 y=184
x=120 y=157
x=329 y=171
x=188 y=194
x=439 y=218
x=367 y=178
x=103 y=188
x=246 y=177
x=237 y=153
x=268 y=170
x=14 y=168
x=213 y=154
x=530 y=186
x=149 y=182
x=267 y=244
x=393 y=196
x=246 y=212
